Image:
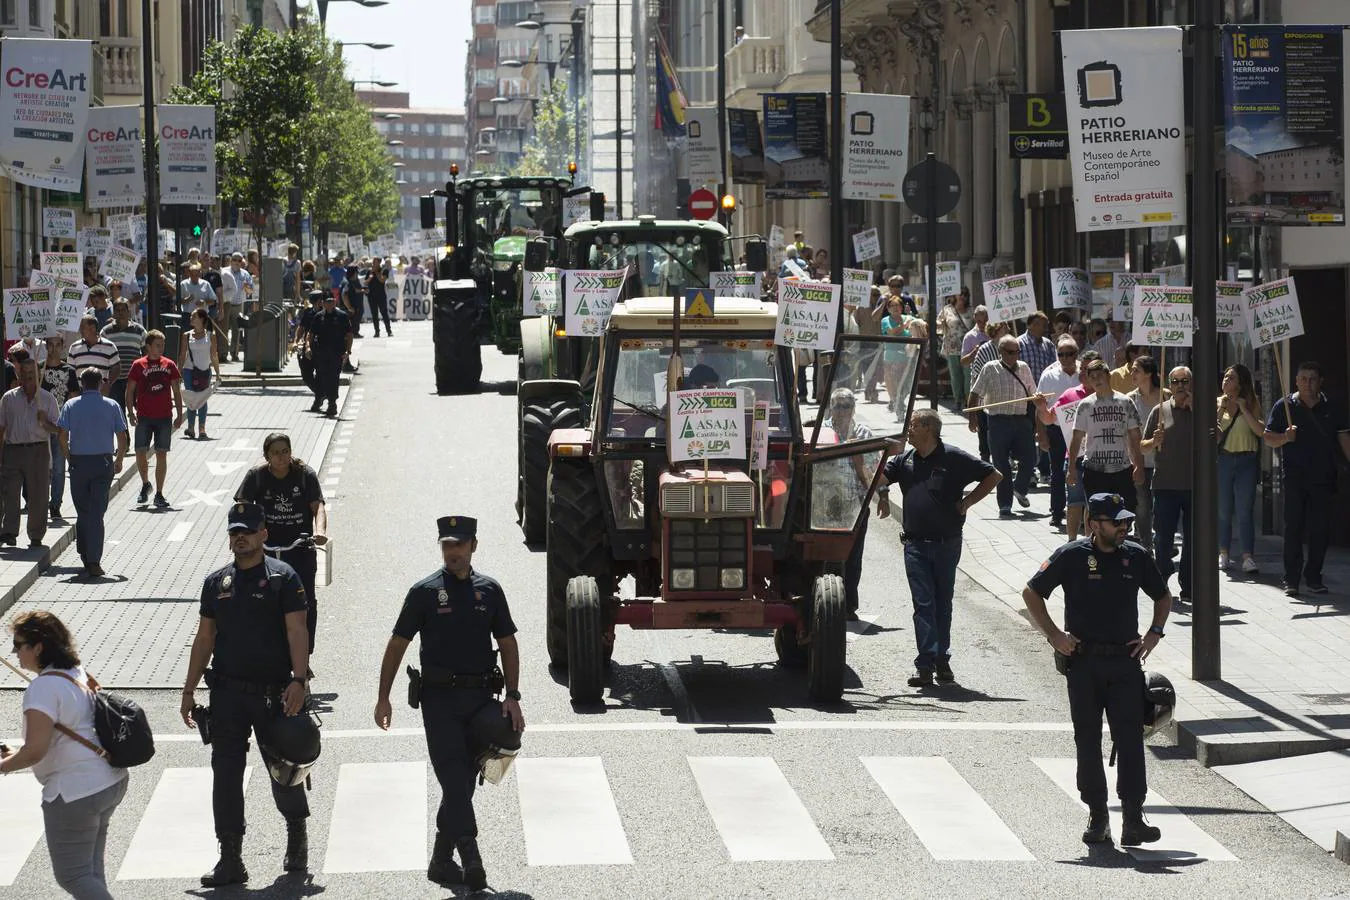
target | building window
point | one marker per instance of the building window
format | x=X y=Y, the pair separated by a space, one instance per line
x=484 y=77
x=414 y=153
x=414 y=128
x=482 y=15
x=509 y=14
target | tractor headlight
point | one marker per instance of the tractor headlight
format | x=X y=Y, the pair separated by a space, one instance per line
x=682 y=579
x=733 y=579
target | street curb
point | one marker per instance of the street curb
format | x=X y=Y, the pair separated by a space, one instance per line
x=1226 y=750
x=1342 y=847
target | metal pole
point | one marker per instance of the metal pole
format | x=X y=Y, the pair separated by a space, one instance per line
x=1203 y=250
x=935 y=71
x=618 y=116
x=576 y=90
x=151 y=167
x=836 y=151
x=725 y=186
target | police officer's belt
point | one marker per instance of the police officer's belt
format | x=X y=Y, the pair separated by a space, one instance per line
x=216 y=681
x=434 y=677
x=1090 y=648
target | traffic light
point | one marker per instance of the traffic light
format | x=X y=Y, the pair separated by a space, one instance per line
x=197 y=231
x=293 y=227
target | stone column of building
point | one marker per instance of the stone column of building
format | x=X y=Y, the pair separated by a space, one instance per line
x=982 y=178
x=961 y=160
x=1007 y=196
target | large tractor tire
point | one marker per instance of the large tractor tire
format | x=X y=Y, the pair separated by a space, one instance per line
x=459 y=358
x=577 y=545
x=829 y=640
x=585 y=641
x=791 y=655
x=538 y=418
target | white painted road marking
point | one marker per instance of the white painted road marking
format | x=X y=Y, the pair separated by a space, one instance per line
x=867 y=621
x=239 y=445
x=568 y=814
x=221 y=469
x=176 y=837
x=20 y=825
x=1182 y=839
x=757 y=813
x=206 y=498
x=379 y=818
x=179 y=532
x=947 y=815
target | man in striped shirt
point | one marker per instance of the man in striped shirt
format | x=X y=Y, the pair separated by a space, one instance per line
x=128 y=336
x=92 y=350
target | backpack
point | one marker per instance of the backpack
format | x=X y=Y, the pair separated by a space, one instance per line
x=123 y=729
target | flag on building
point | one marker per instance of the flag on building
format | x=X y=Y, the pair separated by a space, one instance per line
x=670 y=101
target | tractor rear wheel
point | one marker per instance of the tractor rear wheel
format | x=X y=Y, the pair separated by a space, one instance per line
x=829 y=630
x=538 y=419
x=585 y=641
x=459 y=359
x=577 y=545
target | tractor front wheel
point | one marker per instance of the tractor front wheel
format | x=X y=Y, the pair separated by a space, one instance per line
x=585 y=641
x=829 y=630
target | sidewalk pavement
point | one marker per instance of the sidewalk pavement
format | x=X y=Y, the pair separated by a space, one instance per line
x=1286 y=671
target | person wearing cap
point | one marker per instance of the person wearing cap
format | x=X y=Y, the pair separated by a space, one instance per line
x=304 y=353
x=330 y=344
x=457 y=611
x=252 y=631
x=1102 y=575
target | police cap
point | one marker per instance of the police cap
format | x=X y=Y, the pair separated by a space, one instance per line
x=1108 y=506
x=245 y=516
x=317 y=296
x=457 y=528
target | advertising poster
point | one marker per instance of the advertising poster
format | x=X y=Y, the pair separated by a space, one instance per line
x=706 y=424
x=29 y=312
x=736 y=284
x=857 y=287
x=1010 y=298
x=747 y=146
x=876 y=145
x=44 y=107
x=541 y=292
x=808 y=314
x=58 y=222
x=796 y=147
x=114 y=164
x=1230 y=317
x=1037 y=127
x=1272 y=312
x=1122 y=291
x=1070 y=289
x=187 y=155
x=703 y=150
x=867 y=245
x=589 y=295
x=1162 y=316
x=1127 y=135
x=67 y=264
x=1285 y=124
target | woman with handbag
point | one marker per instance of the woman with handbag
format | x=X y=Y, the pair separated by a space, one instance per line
x=198 y=355
x=1240 y=424
x=80 y=790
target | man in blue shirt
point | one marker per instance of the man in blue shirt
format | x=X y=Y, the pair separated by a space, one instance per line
x=90 y=425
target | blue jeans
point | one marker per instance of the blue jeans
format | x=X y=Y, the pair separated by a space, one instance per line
x=1012 y=437
x=931 y=569
x=58 y=473
x=1171 y=509
x=1238 y=473
x=1058 y=452
x=91 y=478
x=193 y=415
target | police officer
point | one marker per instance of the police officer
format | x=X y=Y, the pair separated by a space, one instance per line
x=252 y=629
x=457 y=611
x=1102 y=575
x=303 y=351
x=330 y=341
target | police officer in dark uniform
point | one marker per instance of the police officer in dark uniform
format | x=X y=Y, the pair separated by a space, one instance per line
x=252 y=629
x=304 y=355
x=330 y=341
x=457 y=611
x=1102 y=575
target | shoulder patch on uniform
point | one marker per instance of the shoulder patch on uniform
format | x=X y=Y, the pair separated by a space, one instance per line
x=227 y=581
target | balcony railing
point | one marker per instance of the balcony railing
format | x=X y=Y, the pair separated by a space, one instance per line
x=756 y=63
x=121 y=65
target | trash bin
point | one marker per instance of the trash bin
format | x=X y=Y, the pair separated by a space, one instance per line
x=172 y=326
x=265 y=348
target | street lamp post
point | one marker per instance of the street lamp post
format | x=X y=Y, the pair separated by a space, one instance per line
x=151 y=166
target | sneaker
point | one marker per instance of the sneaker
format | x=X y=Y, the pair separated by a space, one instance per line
x=1223 y=560
x=1056 y=521
x=161 y=502
x=1005 y=513
x=1249 y=566
x=189 y=434
x=1316 y=587
x=55 y=511
x=144 y=497
x=1290 y=590
x=921 y=678
x=1022 y=499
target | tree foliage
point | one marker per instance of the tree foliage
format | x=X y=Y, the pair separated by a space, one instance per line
x=550 y=147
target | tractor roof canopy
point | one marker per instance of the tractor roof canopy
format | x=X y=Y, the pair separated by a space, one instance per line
x=507 y=182
x=729 y=314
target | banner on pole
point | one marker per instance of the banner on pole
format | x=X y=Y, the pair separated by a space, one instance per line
x=1127 y=129
x=58 y=222
x=1230 y=317
x=187 y=155
x=44 y=107
x=1010 y=298
x=703 y=152
x=707 y=424
x=1070 y=289
x=1162 y=316
x=876 y=145
x=1122 y=287
x=114 y=165
x=1272 y=312
x=589 y=296
x=747 y=146
x=542 y=291
x=808 y=315
x=736 y=284
x=796 y=147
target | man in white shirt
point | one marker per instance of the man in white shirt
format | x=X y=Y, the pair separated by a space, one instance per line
x=1111 y=346
x=1057 y=378
x=234 y=281
x=1012 y=433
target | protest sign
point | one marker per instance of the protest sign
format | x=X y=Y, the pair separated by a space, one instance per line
x=1272 y=312
x=58 y=222
x=91 y=242
x=337 y=243
x=1122 y=287
x=706 y=424
x=120 y=263
x=1064 y=417
x=1172 y=276
x=119 y=225
x=948 y=279
x=808 y=313
x=776 y=238
x=29 y=312
x=542 y=292
x=67 y=264
x=590 y=295
x=576 y=209
x=736 y=284
x=70 y=306
x=1230 y=317
x=867 y=245
x=1010 y=298
x=416 y=297
x=1070 y=289
x=759 y=438
x=857 y=287
x=1162 y=316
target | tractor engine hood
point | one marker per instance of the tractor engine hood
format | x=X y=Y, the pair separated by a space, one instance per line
x=718 y=494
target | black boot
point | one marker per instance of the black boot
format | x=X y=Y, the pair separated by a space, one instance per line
x=443 y=868
x=1098 y=829
x=297 y=846
x=1134 y=830
x=317 y=405
x=331 y=412
x=474 y=876
x=230 y=869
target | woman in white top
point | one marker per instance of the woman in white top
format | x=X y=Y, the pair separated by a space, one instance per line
x=1147 y=394
x=80 y=790
x=198 y=353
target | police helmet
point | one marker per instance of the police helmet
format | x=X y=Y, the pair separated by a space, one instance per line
x=290 y=747
x=1160 y=698
x=494 y=741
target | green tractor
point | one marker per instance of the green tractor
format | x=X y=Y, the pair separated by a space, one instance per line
x=557 y=370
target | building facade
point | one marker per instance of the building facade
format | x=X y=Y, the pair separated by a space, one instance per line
x=423 y=142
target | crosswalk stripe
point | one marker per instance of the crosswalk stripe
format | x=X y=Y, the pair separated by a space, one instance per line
x=946 y=813
x=1182 y=839
x=179 y=532
x=757 y=813
x=176 y=837
x=395 y=796
x=568 y=813
x=20 y=825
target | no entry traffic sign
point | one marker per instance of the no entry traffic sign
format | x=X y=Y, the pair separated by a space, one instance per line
x=702 y=204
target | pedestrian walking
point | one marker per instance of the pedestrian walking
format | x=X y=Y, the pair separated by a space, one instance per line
x=252 y=632
x=80 y=790
x=128 y=336
x=99 y=307
x=933 y=478
x=1012 y=432
x=91 y=424
x=955 y=322
x=1058 y=377
x=1167 y=433
x=91 y=349
x=356 y=299
x=870 y=360
x=379 y=296
x=290 y=273
x=1122 y=376
x=981 y=353
x=1239 y=428
x=1105 y=450
x=198 y=357
x=457 y=611
x=154 y=395
x=1307 y=429
x=1146 y=393
x=304 y=354
x=198 y=293
x=1111 y=345
x=1059 y=414
x=59 y=380
x=292 y=502
x=1101 y=576
x=847 y=429
x=234 y=293
x=896 y=358
x=330 y=343
x=28 y=417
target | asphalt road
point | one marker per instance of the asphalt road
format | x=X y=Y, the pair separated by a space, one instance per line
x=707 y=773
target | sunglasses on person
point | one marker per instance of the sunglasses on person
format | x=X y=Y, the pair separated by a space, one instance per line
x=1179 y=381
x=19 y=645
x=1067 y=355
x=1105 y=521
